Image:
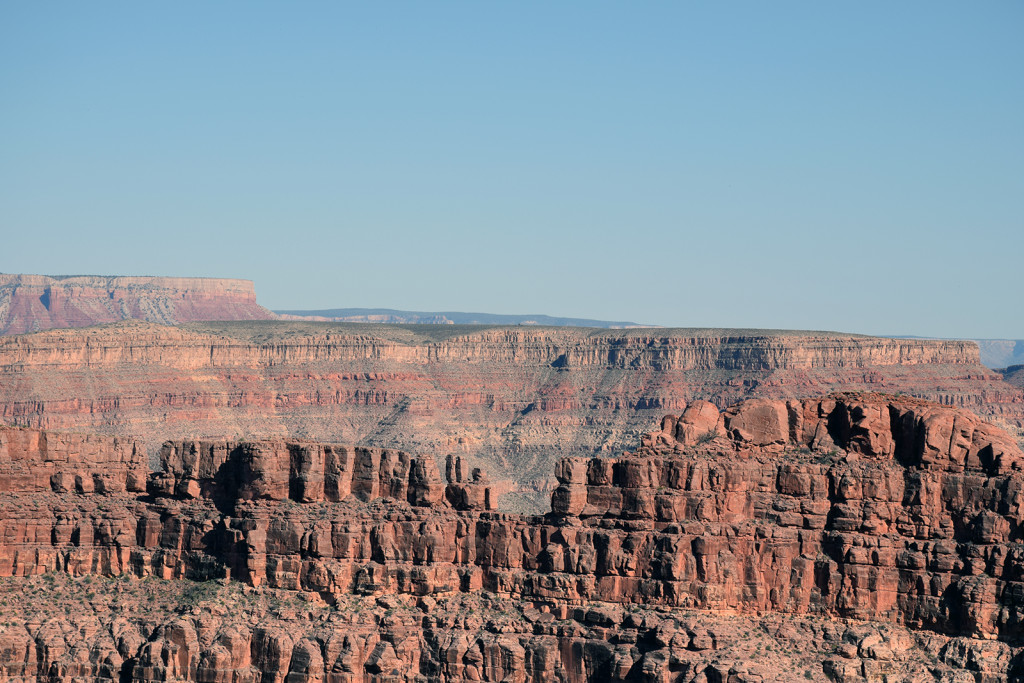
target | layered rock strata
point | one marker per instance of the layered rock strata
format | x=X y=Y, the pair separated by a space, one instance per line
x=509 y=400
x=150 y=630
x=899 y=513
x=29 y=303
x=35 y=461
x=1014 y=375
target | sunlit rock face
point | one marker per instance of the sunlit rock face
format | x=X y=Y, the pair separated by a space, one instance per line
x=29 y=303
x=783 y=540
x=511 y=401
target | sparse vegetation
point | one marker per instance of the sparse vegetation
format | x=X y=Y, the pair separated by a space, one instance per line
x=707 y=437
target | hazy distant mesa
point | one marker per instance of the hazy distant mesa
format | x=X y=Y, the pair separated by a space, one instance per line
x=30 y=303
x=391 y=316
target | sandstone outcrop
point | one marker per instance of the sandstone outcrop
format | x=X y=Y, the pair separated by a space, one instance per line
x=34 y=461
x=152 y=630
x=29 y=303
x=849 y=538
x=307 y=472
x=509 y=400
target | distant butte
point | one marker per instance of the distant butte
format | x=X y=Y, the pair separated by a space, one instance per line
x=29 y=303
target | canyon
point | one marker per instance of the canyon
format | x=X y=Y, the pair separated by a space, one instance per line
x=850 y=537
x=29 y=303
x=511 y=400
x=251 y=499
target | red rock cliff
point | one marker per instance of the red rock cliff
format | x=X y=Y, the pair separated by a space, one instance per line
x=511 y=400
x=29 y=303
x=33 y=461
x=893 y=511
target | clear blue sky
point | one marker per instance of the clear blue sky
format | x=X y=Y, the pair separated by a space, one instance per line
x=854 y=166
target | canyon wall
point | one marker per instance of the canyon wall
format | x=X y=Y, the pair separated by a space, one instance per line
x=29 y=303
x=509 y=399
x=856 y=537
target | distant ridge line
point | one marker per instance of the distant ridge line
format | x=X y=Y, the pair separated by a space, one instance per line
x=393 y=316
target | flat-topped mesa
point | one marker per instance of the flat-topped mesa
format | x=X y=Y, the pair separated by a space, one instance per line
x=305 y=472
x=36 y=461
x=38 y=302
